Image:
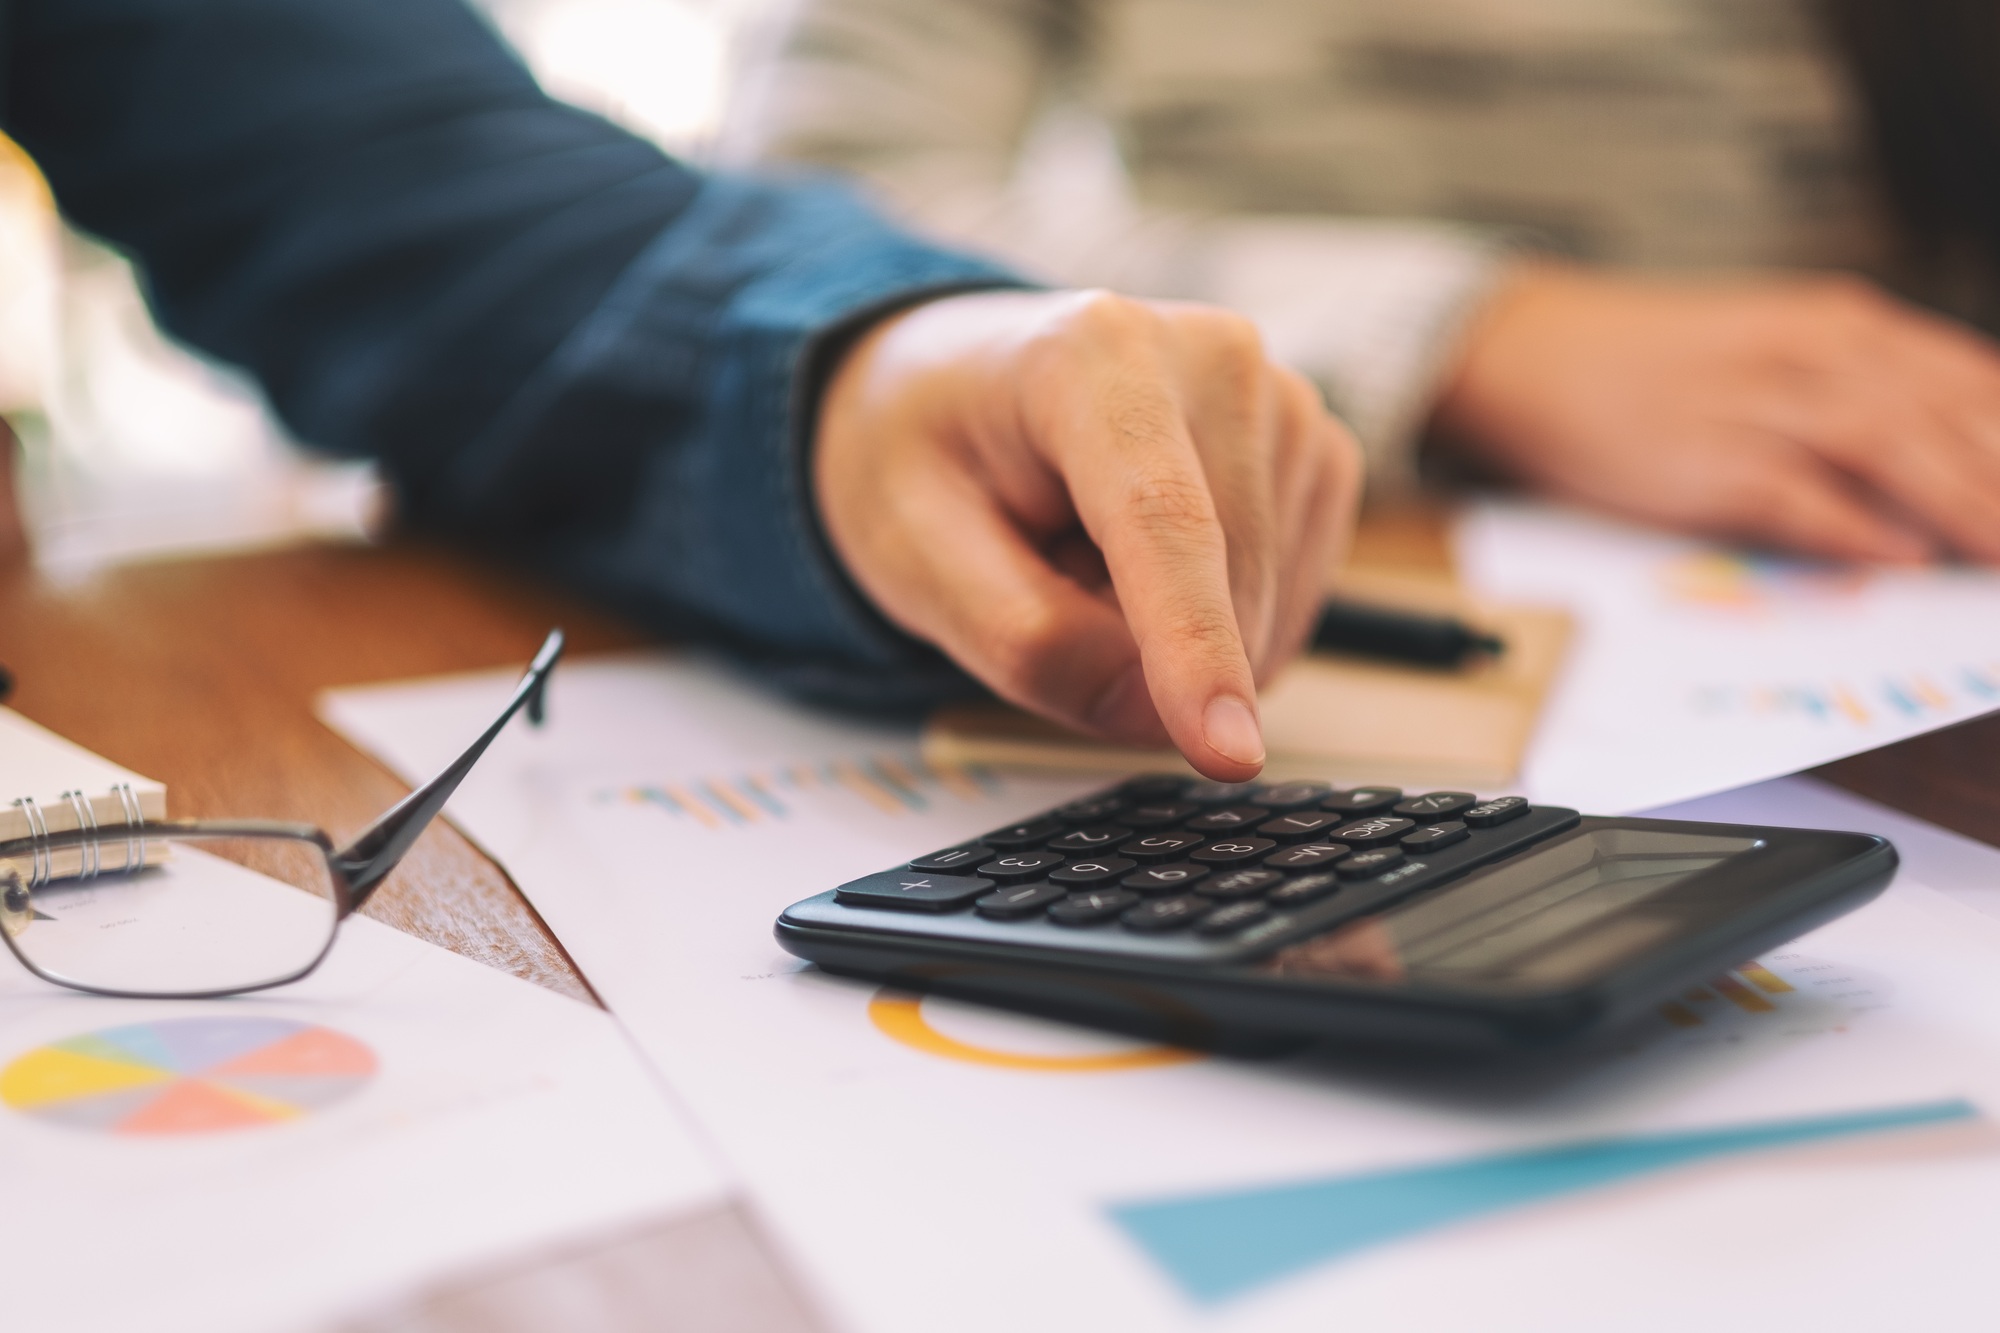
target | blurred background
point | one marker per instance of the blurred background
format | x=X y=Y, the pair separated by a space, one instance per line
x=132 y=445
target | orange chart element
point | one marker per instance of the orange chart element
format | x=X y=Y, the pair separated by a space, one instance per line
x=188 y=1075
x=900 y=1015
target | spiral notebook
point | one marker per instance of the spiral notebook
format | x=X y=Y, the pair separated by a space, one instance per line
x=49 y=785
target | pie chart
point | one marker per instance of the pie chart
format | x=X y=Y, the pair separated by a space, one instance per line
x=188 y=1076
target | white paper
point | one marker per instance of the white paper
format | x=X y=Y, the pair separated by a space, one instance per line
x=918 y=1190
x=1698 y=669
x=421 y=1115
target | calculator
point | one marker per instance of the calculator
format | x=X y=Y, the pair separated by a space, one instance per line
x=1226 y=915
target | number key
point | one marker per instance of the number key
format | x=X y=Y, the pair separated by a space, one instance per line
x=1158 y=814
x=1021 y=865
x=1229 y=851
x=1165 y=879
x=1089 y=809
x=1229 y=819
x=1291 y=795
x=1300 y=824
x=1091 y=872
x=1159 y=846
x=1090 y=839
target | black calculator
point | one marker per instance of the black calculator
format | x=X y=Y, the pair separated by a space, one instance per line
x=1223 y=915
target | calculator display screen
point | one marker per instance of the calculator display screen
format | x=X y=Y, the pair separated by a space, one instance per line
x=1561 y=914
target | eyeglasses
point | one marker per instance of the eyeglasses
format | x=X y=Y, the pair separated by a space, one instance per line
x=202 y=908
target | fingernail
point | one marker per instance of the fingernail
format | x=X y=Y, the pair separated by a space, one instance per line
x=1231 y=730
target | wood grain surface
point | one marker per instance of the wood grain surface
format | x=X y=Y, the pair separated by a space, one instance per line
x=202 y=673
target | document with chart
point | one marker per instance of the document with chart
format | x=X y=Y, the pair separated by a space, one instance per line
x=1809 y=1130
x=1697 y=668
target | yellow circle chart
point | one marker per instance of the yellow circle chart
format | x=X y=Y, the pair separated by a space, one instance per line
x=899 y=1015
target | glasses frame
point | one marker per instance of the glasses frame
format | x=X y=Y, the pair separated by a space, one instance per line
x=355 y=871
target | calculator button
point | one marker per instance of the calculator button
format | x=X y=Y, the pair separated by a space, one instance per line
x=1305 y=889
x=1433 y=836
x=1091 y=872
x=1498 y=811
x=1090 y=839
x=1165 y=879
x=1087 y=909
x=1021 y=865
x=1218 y=793
x=1307 y=856
x=1031 y=834
x=1435 y=805
x=1228 y=851
x=1228 y=920
x=1164 y=914
x=911 y=891
x=1368 y=864
x=1019 y=900
x=1157 y=814
x=1291 y=795
x=1361 y=801
x=954 y=860
x=1230 y=819
x=1090 y=809
x=1152 y=787
x=1159 y=846
x=1298 y=825
x=1369 y=832
x=1239 y=884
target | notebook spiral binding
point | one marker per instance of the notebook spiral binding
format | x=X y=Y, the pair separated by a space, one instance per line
x=130 y=831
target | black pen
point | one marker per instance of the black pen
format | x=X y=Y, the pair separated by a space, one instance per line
x=1401 y=636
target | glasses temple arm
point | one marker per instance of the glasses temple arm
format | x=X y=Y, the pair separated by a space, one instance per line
x=370 y=857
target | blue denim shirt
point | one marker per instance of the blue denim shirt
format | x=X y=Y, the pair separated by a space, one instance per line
x=561 y=344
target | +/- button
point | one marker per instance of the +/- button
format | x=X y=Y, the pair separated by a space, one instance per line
x=911 y=891
x=1435 y=805
x=1305 y=889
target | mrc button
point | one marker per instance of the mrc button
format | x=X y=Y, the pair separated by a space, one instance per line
x=1376 y=832
x=912 y=891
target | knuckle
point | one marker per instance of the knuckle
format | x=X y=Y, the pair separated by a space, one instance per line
x=1166 y=503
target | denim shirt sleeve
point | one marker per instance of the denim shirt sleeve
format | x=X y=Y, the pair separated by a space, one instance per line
x=562 y=345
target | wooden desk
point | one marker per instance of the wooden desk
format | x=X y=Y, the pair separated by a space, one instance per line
x=202 y=673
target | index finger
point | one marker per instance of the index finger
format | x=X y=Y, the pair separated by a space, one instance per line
x=1122 y=445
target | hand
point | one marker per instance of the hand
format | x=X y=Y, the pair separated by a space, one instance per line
x=1116 y=513
x=1813 y=413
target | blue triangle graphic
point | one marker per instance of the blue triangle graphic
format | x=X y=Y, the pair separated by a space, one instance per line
x=1220 y=1245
